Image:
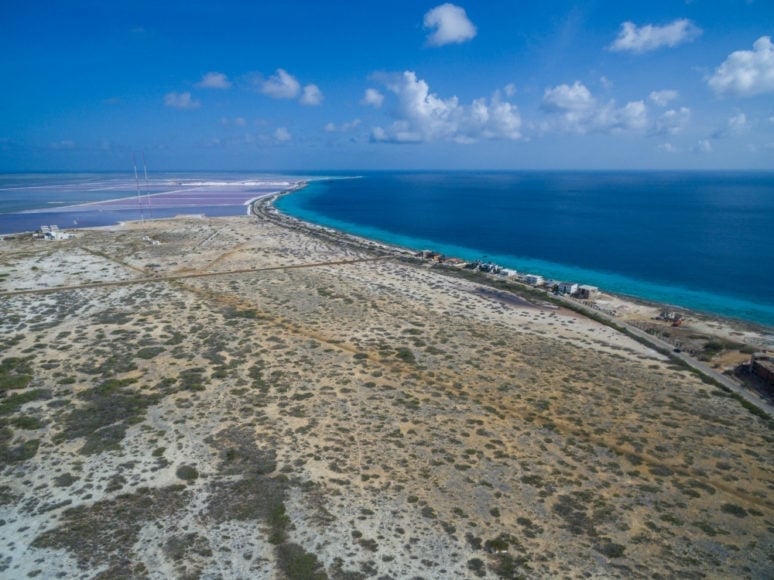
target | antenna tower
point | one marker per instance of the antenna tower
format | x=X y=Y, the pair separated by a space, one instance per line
x=137 y=187
x=147 y=187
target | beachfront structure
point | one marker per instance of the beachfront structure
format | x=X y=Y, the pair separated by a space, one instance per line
x=456 y=262
x=52 y=233
x=586 y=292
x=568 y=288
x=534 y=279
x=508 y=272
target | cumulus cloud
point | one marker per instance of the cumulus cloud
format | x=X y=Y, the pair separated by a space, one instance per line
x=573 y=109
x=343 y=128
x=282 y=134
x=672 y=122
x=636 y=39
x=281 y=85
x=662 y=98
x=181 y=101
x=450 y=25
x=703 y=146
x=214 y=80
x=736 y=125
x=373 y=98
x=312 y=95
x=567 y=98
x=746 y=72
x=423 y=116
x=236 y=122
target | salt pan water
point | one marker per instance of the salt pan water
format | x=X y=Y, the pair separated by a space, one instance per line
x=701 y=240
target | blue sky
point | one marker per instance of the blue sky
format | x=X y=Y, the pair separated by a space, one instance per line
x=400 y=84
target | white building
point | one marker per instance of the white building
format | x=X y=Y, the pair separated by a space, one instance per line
x=534 y=279
x=568 y=288
x=587 y=292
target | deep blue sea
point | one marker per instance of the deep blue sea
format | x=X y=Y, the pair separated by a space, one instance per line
x=700 y=240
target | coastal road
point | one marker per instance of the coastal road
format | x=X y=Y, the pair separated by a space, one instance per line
x=664 y=346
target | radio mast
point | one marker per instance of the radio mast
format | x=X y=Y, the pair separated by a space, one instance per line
x=147 y=187
x=137 y=187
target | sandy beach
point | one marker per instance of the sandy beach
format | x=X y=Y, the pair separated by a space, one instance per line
x=254 y=397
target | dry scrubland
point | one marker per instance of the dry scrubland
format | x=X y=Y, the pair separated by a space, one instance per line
x=354 y=416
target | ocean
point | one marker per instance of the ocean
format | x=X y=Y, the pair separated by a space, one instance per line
x=698 y=240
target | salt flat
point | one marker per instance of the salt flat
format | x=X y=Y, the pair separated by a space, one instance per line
x=251 y=399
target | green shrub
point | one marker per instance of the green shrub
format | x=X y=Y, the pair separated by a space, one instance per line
x=187 y=473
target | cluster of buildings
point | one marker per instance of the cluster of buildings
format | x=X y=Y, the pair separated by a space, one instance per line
x=52 y=233
x=579 y=291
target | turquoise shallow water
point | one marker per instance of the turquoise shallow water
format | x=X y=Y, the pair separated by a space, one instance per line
x=680 y=261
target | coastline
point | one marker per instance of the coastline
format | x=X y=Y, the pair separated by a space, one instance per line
x=399 y=417
x=638 y=316
x=678 y=268
x=636 y=303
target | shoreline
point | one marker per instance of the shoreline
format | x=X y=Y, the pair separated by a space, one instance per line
x=704 y=316
x=218 y=396
x=636 y=318
x=700 y=291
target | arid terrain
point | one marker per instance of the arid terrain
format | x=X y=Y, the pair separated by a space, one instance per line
x=250 y=400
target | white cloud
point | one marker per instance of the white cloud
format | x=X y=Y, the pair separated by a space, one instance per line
x=574 y=109
x=373 y=98
x=746 y=72
x=450 y=24
x=567 y=98
x=312 y=95
x=672 y=122
x=181 y=101
x=509 y=90
x=214 y=80
x=738 y=124
x=282 y=134
x=236 y=121
x=281 y=85
x=424 y=116
x=703 y=146
x=662 y=98
x=668 y=148
x=343 y=128
x=649 y=37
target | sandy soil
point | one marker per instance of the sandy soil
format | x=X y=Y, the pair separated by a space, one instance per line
x=248 y=399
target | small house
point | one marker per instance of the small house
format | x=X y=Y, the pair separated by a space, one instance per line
x=568 y=288
x=534 y=279
x=586 y=292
